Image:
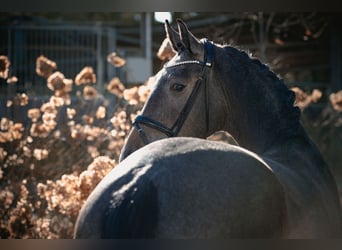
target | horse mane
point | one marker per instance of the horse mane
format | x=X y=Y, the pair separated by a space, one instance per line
x=278 y=108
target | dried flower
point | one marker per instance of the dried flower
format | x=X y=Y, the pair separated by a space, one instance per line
x=55 y=81
x=57 y=101
x=33 y=114
x=5 y=123
x=3 y=154
x=116 y=87
x=279 y=41
x=165 y=51
x=131 y=95
x=12 y=80
x=5 y=137
x=88 y=119
x=21 y=99
x=303 y=99
x=316 y=95
x=143 y=93
x=40 y=154
x=336 y=100
x=119 y=118
x=4 y=66
x=6 y=198
x=13 y=130
x=93 y=151
x=16 y=131
x=117 y=61
x=89 y=93
x=94 y=174
x=49 y=120
x=71 y=113
x=86 y=76
x=40 y=130
x=100 y=112
x=44 y=66
x=27 y=151
x=9 y=103
x=49 y=107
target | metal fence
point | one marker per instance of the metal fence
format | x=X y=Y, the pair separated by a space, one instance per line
x=72 y=47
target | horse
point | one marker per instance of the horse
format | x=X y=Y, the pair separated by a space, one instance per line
x=173 y=183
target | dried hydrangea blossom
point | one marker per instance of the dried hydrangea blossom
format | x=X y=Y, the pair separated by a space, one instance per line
x=12 y=131
x=9 y=103
x=6 y=197
x=49 y=107
x=87 y=119
x=119 y=118
x=40 y=130
x=100 y=112
x=115 y=60
x=40 y=154
x=21 y=99
x=33 y=114
x=3 y=154
x=66 y=196
x=49 y=120
x=316 y=94
x=13 y=160
x=336 y=100
x=93 y=151
x=5 y=123
x=20 y=218
x=71 y=112
x=57 y=101
x=95 y=172
x=42 y=228
x=12 y=80
x=45 y=66
x=89 y=93
x=165 y=51
x=64 y=92
x=116 y=145
x=4 y=66
x=86 y=76
x=27 y=152
x=16 y=131
x=116 y=87
x=5 y=137
x=303 y=99
x=143 y=93
x=131 y=95
x=57 y=82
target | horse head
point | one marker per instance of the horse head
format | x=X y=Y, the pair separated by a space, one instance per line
x=179 y=104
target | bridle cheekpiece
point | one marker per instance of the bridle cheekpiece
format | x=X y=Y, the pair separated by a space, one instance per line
x=176 y=127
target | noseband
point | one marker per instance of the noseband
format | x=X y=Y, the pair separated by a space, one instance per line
x=174 y=130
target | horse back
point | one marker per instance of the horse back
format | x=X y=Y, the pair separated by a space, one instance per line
x=186 y=188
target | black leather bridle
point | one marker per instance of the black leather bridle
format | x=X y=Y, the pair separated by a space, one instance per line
x=174 y=130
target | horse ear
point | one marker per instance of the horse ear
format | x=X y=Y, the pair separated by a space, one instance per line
x=173 y=37
x=188 y=39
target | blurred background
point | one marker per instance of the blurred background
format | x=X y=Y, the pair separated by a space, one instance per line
x=303 y=48
x=54 y=134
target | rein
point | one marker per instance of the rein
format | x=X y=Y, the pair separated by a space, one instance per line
x=176 y=127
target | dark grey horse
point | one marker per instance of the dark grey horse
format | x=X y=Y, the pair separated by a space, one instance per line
x=274 y=184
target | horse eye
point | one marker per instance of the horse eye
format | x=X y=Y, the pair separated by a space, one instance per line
x=177 y=87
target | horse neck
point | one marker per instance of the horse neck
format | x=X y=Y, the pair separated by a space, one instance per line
x=260 y=107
